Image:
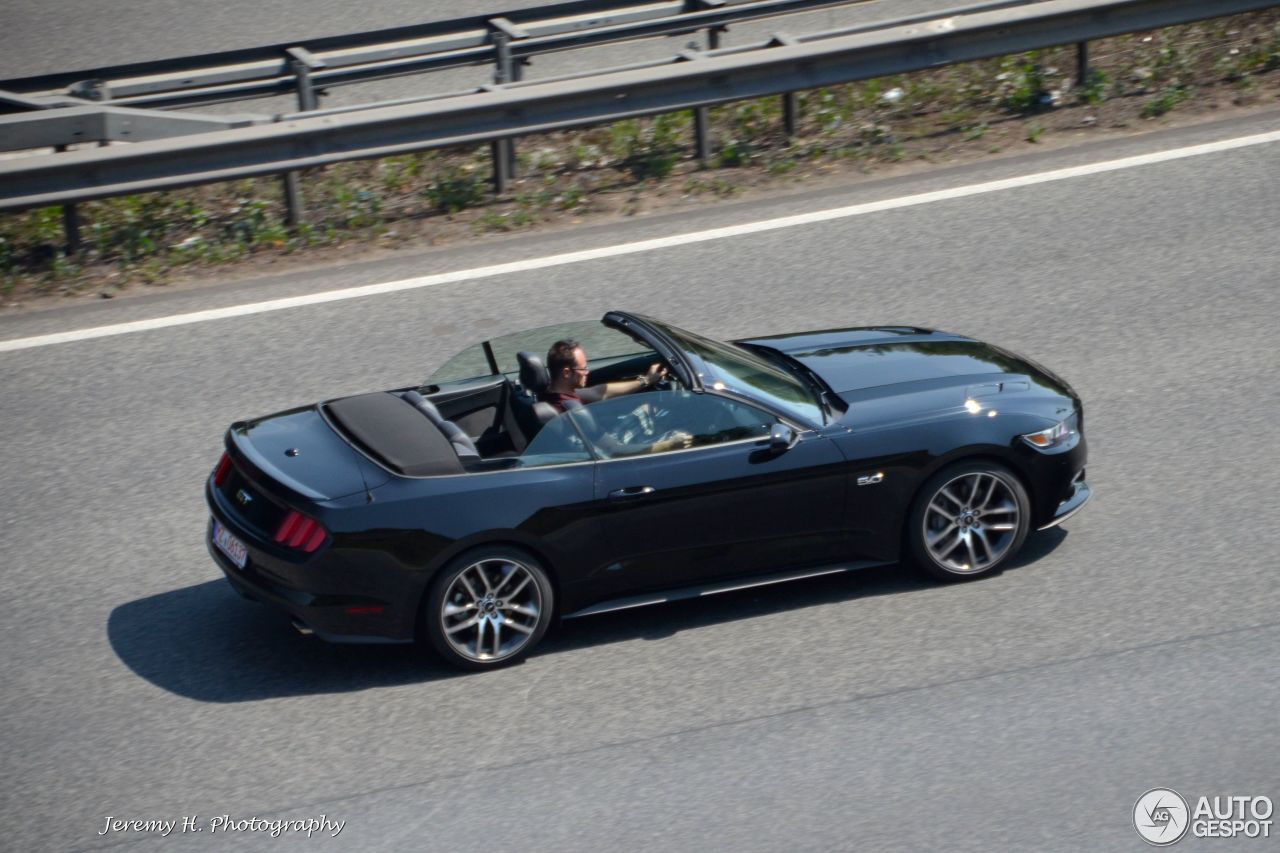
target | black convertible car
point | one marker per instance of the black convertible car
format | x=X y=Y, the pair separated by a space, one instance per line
x=469 y=512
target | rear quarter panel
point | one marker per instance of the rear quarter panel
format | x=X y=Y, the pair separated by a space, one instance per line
x=420 y=524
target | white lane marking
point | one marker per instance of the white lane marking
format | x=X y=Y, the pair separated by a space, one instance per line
x=638 y=246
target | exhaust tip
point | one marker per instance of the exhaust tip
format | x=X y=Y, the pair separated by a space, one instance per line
x=302 y=628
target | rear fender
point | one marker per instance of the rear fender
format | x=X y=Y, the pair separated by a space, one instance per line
x=512 y=538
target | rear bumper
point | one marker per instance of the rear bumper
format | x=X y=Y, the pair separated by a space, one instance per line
x=326 y=594
x=332 y=624
x=329 y=623
x=1080 y=495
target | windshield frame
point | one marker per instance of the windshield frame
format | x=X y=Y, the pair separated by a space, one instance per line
x=716 y=380
x=496 y=356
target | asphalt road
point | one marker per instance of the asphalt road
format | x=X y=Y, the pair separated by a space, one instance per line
x=1135 y=648
x=47 y=36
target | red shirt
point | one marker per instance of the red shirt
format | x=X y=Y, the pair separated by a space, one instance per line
x=558 y=400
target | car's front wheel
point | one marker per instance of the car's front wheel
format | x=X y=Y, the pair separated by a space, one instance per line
x=488 y=607
x=969 y=519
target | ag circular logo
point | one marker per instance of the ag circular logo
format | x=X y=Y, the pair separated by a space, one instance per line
x=1161 y=816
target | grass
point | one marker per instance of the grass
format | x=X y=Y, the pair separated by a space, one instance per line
x=989 y=105
x=1164 y=102
x=1093 y=91
x=649 y=149
x=455 y=188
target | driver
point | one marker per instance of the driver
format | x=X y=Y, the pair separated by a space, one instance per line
x=567 y=367
x=567 y=389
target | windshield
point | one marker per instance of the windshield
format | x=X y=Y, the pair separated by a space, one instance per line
x=600 y=342
x=740 y=370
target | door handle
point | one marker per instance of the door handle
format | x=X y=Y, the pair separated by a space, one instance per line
x=631 y=492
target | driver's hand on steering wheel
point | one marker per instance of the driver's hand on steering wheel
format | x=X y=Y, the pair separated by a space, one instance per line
x=679 y=440
x=656 y=373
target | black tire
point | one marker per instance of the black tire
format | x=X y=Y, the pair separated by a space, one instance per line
x=984 y=505
x=502 y=601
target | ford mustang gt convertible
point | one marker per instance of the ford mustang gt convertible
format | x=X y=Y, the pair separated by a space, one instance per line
x=469 y=512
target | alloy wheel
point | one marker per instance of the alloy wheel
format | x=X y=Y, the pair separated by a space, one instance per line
x=491 y=609
x=971 y=522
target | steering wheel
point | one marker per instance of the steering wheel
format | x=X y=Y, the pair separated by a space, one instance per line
x=668 y=382
x=638 y=424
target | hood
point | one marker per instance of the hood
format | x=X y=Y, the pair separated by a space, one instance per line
x=860 y=359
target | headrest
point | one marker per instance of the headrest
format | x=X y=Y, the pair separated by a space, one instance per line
x=461 y=442
x=533 y=373
x=425 y=406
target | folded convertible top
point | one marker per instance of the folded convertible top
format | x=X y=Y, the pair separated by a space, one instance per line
x=395 y=434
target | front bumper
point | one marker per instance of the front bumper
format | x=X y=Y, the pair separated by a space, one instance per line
x=1080 y=495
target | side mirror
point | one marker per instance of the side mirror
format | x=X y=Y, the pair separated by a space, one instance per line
x=781 y=437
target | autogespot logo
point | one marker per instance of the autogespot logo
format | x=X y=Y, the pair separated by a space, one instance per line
x=1161 y=816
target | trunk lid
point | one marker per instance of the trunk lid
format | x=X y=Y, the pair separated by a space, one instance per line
x=298 y=451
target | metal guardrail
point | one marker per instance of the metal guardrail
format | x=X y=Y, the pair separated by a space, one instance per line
x=383 y=54
x=691 y=80
x=166 y=75
x=508 y=40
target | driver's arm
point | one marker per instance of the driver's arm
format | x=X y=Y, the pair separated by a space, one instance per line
x=620 y=437
x=616 y=449
x=609 y=390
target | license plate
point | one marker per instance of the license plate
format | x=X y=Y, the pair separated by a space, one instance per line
x=230 y=545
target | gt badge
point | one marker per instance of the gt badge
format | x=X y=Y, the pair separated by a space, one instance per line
x=871 y=479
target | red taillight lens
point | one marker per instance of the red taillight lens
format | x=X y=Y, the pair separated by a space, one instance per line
x=298 y=531
x=224 y=468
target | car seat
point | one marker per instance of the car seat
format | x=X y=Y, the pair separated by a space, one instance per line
x=531 y=412
x=462 y=443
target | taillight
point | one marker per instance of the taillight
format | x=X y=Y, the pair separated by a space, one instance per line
x=301 y=532
x=224 y=468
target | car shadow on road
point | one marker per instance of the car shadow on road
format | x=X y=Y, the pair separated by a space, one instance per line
x=661 y=621
x=207 y=643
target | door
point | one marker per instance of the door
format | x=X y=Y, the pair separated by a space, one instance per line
x=692 y=491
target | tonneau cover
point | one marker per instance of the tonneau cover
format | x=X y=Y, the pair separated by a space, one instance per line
x=394 y=433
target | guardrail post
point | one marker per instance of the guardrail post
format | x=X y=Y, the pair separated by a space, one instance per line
x=790 y=100
x=517 y=74
x=507 y=69
x=70 y=220
x=301 y=63
x=71 y=225
x=701 y=133
x=501 y=166
x=292 y=199
x=501 y=148
x=701 y=120
x=308 y=98
x=1082 y=63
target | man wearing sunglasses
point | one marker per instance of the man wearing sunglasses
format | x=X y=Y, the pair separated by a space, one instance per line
x=568 y=389
x=567 y=369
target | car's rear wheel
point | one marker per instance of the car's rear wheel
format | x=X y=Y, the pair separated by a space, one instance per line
x=968 y=520
x=489 y=607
